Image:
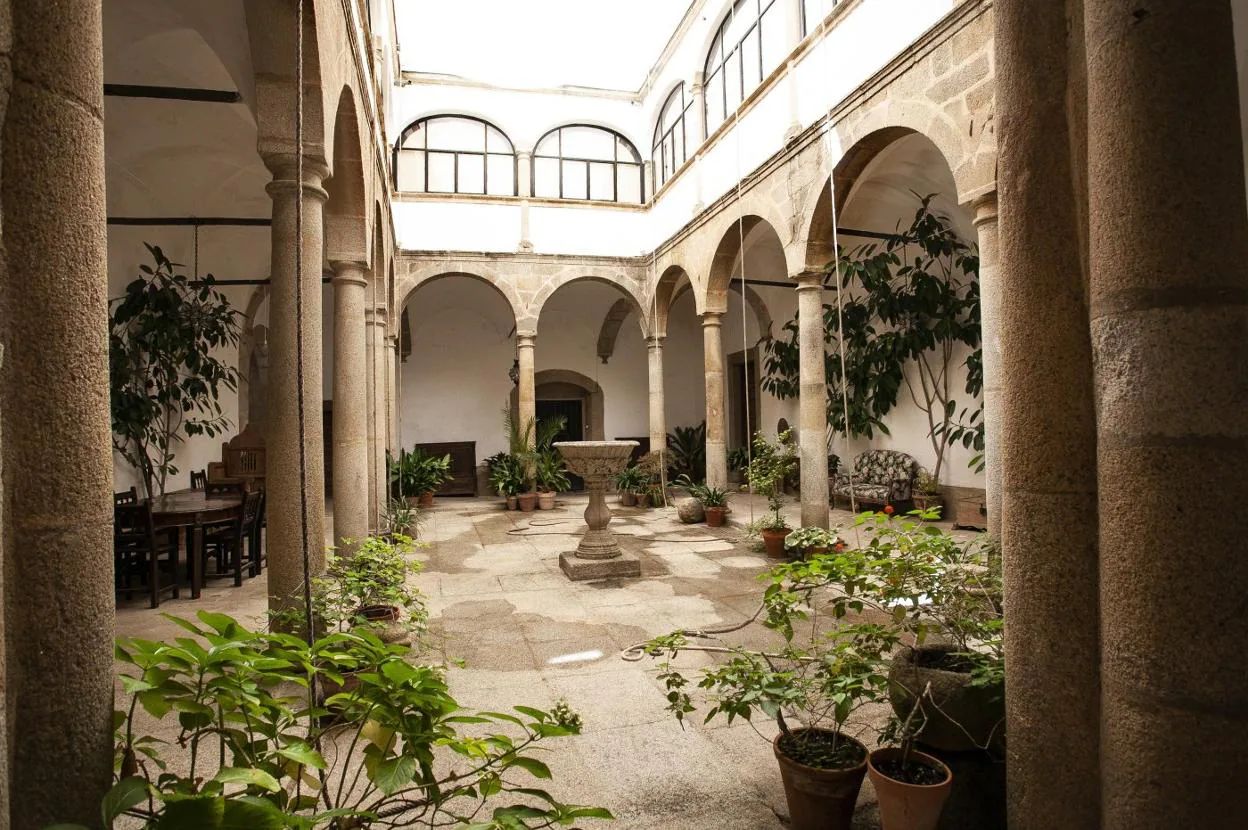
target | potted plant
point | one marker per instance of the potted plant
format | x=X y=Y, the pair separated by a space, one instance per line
x=770 y=465
x=806 y=542
x=943 y=598
x=655 y=496
x=811 y=686
x=629 y=481
x=911 y=786
x=370 y=586
x=417 y=476
x=927 y=494
x=507 y=479
x=552 y=478
x=250 y=747
x=401 y=519
x=714 y=500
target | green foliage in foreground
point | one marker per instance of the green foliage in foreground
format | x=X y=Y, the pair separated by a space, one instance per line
x=385 y=744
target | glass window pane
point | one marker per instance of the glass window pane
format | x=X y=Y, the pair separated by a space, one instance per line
x=714 y=101
x=441 y=173
x=546 y=178
x=739 y=21
x=411 y=168
x=588 y=143
x=416 y=138
x=548 y=146
x=574 y=180
x=775 y=45
x=812 y=14
x=602 y=182
x=471 y=174
x=497 y=142
x=456 y=134
x=502 y=178
x=751 y=76
x=630 y=184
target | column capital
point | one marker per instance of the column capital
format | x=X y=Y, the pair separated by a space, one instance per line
x=524 y=154
x=526 y=339
x=712 y=318
x=809 y=280
x=985 y=207
x=349 y=272
x=655 y=341
x=698 y=85
x=285 y=170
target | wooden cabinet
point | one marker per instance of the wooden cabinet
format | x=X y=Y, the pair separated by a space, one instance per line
x=463 y=480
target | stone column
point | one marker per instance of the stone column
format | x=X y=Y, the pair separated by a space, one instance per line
x=1048 y=436
x=295 y=508
x=526 y=406
x=813 y=420
x=383 y=383
x=524 y=173
x=990 y=295
x=394 y=392
x=697 y=114
x=713 y=356
x=1168 y=296
x=58 y=464
x=658 y=409
x=375 y=402
x=351 y=459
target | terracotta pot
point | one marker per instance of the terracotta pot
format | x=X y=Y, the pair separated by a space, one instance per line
x=546 y=501
x=412 y=501
x=963 y=717
x=773 y=541
x=643 y=501
x=908 y=806
x=820 y=799
x=715 y=516
x=426 y=500
x=628 y=498
x=528 y=501
x=512 y=502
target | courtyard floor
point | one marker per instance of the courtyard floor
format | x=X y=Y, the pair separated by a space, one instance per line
x=527 y=635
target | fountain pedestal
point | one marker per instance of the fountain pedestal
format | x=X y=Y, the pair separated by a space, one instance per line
x=599 y=555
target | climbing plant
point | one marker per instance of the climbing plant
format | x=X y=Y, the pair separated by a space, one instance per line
x=165 y=378
x=909 y=302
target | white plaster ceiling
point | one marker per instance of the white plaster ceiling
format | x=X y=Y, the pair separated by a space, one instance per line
x=538 y=43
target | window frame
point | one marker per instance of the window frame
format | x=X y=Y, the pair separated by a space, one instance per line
x=806 y=23
x=615 y=163
x=755 y=31
x=485 y=153
x=661 y=174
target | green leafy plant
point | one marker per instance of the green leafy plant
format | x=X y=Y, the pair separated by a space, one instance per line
x=552 y=472
x=912 y=301
x=402 y=519
x=415 y=473
x=252 y=747
x=657 y=497
x=164 y=377
x=686 y=452
x=632 y=479
x=926 y=484
x=770 y=465
x=738 y=459
x=805 y=538
x=709 y=496
x=507 y=476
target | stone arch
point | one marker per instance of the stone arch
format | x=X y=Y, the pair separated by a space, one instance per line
x=626 y=286
x=272 y=30
x=762 y=314
x=437 y=271
x=611 y=325
x=346 y=212
x=560 y=383
x=670 y=278
x=728 y=251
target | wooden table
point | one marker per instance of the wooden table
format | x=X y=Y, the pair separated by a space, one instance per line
x=189 y=511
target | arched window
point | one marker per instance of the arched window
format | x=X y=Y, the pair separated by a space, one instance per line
x=583 y=162
x=455 y=154
x=750 y=43
x=813 y=13
x=671 y=139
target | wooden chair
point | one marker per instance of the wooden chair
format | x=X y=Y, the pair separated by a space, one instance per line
x=143 y=555
x=233 y=544
x=259 y=559
x=223 y=488
x=199 y=480
x=130 y=496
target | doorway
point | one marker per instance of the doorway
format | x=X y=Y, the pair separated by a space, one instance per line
x=742 y=398
x=573 y=412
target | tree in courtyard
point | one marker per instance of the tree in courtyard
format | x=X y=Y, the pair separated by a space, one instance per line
x=909 y=302
x=164 y=377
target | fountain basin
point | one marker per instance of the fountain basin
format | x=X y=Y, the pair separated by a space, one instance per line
x=599 y=555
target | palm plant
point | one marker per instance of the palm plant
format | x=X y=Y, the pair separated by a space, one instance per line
x=686 y=452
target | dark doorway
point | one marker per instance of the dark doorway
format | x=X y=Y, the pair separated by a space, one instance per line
x=574 y=429
x=742 y=397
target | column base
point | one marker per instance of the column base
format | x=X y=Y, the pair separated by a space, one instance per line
x=580 y=570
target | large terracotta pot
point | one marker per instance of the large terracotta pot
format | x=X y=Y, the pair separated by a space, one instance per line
x=959 y=717
x=528 y=501
x=546 y=500
x=773 y=542
x=820 y=799
x=425 y=500
x=905 y=806
x=512 y=502
x=379 y=613
x=715 y=516
x=628 y=498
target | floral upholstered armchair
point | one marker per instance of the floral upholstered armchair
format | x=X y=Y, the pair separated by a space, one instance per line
x=879 y=477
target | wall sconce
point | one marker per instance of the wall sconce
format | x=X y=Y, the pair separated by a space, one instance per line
x=514 y=373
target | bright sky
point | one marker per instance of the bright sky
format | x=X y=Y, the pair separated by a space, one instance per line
x=608 y=44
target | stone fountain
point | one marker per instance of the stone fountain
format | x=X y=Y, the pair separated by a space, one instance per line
x=599 y=555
